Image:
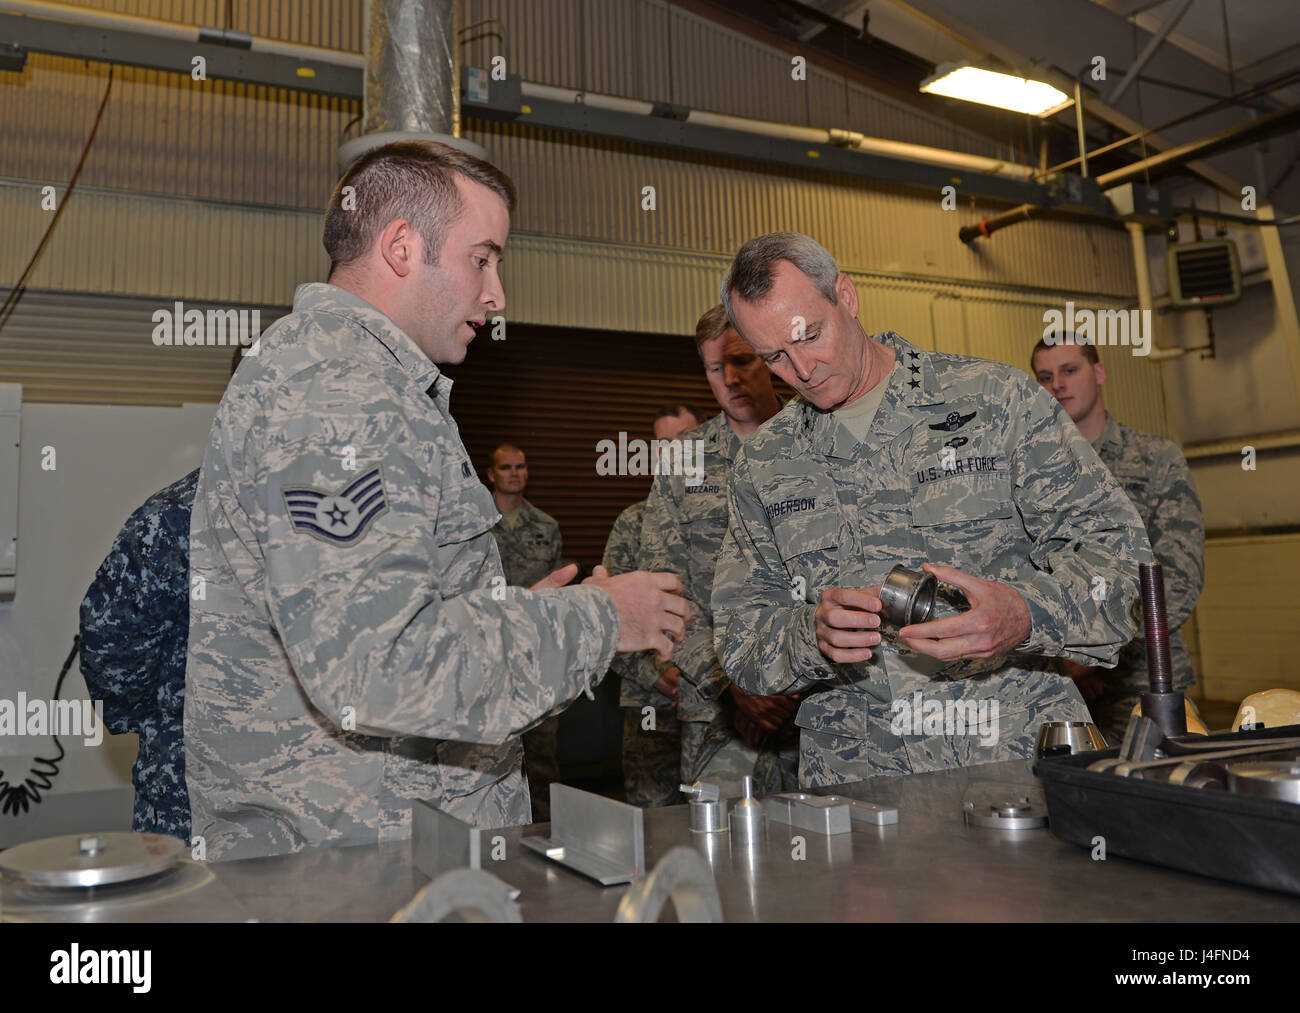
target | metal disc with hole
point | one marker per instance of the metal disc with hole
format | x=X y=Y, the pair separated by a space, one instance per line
x=92 y=859
x=1012 y=814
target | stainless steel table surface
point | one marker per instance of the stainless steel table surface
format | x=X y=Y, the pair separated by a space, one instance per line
x=928 y=867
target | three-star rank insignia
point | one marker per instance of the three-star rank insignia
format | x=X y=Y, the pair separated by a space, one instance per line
x=953 y=422
x=342 y=517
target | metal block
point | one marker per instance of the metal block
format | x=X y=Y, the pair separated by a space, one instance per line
x=440 y=843
x=870 y=812
x=592 y=835
x=816 y=813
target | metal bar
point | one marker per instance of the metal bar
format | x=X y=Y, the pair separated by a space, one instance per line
x=1148 y=51
x=136 y=49
x=585 y=119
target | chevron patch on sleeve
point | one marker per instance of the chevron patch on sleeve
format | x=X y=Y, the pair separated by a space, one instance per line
x=341 y=517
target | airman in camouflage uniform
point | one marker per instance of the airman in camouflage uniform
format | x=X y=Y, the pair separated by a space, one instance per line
x=652 y=756
x=531 y=547
x=1154 y=474
x=135 y=625
x=353 y=644
x=685 y=521
x=967 y=464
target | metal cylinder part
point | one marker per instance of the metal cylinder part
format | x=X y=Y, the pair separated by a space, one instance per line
x=907 y=596
x=1156 y=625
x=708 y=817
x=748 y=818
x=1075 y=736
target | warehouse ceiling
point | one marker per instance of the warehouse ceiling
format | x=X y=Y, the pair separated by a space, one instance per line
x=900 y=41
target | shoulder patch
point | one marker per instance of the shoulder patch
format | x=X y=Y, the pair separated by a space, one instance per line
x=341 y=517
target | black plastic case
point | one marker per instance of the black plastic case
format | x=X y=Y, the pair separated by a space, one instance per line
x=1245 y=839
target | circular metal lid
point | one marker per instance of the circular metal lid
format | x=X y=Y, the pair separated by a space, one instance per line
x=1275 y=779
x=91 y=859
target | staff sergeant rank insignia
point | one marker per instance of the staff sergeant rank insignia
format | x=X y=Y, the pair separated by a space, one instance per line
x=341 y=517
x=954 y=422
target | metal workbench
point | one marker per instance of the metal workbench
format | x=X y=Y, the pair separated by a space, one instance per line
x=928 y=867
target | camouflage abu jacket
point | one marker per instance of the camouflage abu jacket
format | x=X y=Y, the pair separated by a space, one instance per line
x=351 y=650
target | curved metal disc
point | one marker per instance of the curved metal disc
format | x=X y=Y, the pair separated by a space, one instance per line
x=470 y=893
x=683 y=876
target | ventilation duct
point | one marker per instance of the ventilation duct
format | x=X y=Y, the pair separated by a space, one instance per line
x=411 y=79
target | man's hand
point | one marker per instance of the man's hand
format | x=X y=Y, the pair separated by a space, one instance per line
x=756 y=716
x=651 y=610
x=667 y=683
x=557 y=578
x=1090 y=679
x=997 y=623
x=847 y=621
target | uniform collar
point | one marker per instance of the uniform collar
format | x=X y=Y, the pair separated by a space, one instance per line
x=720 y=438
x=912 y=383
x=1109 y=433
x=322 y=297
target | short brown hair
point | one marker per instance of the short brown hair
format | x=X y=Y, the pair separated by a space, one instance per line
x=1085 y=345
x=712 y=325
x=672 y=411
x=414 y=180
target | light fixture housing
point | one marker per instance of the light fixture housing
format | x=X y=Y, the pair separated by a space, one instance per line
x=991 y=88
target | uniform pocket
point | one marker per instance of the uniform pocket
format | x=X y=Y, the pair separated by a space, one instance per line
x=962 y=498
x=466 y=509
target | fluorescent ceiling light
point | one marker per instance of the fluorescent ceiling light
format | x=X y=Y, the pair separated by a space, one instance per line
x=974 y=84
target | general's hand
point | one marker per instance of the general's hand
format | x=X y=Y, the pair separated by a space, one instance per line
x=1090 y=679
x=998 y=620
x=651 y=610
x=557 y=578
x=667 y=683
x=847 y=621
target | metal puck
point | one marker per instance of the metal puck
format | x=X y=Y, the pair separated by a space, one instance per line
x=91 y=859
x=1277 y=779
x=1012 y=814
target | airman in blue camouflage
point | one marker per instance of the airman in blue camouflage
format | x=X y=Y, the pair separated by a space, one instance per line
x=891 y=455
x=353 y=645
x=727 y=734
x=135 y=625
x=1155 y=476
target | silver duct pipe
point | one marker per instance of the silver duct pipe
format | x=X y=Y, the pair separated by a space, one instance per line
x=412 y=79
x=415 y=66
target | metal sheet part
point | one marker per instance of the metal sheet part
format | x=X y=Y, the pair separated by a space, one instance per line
x=92 y=859
x=595 y=836
x=440 y=843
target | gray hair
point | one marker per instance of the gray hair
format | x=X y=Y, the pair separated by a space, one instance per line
x=750 y=275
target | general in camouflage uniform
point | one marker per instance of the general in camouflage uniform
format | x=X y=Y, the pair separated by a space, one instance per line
x=652 y=743
x=349 y=652
x=966 y=463
x=1154 y=474
x=135 y=625
x=531 y=547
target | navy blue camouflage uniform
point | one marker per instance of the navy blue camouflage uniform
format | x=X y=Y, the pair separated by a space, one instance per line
x=135 y=624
